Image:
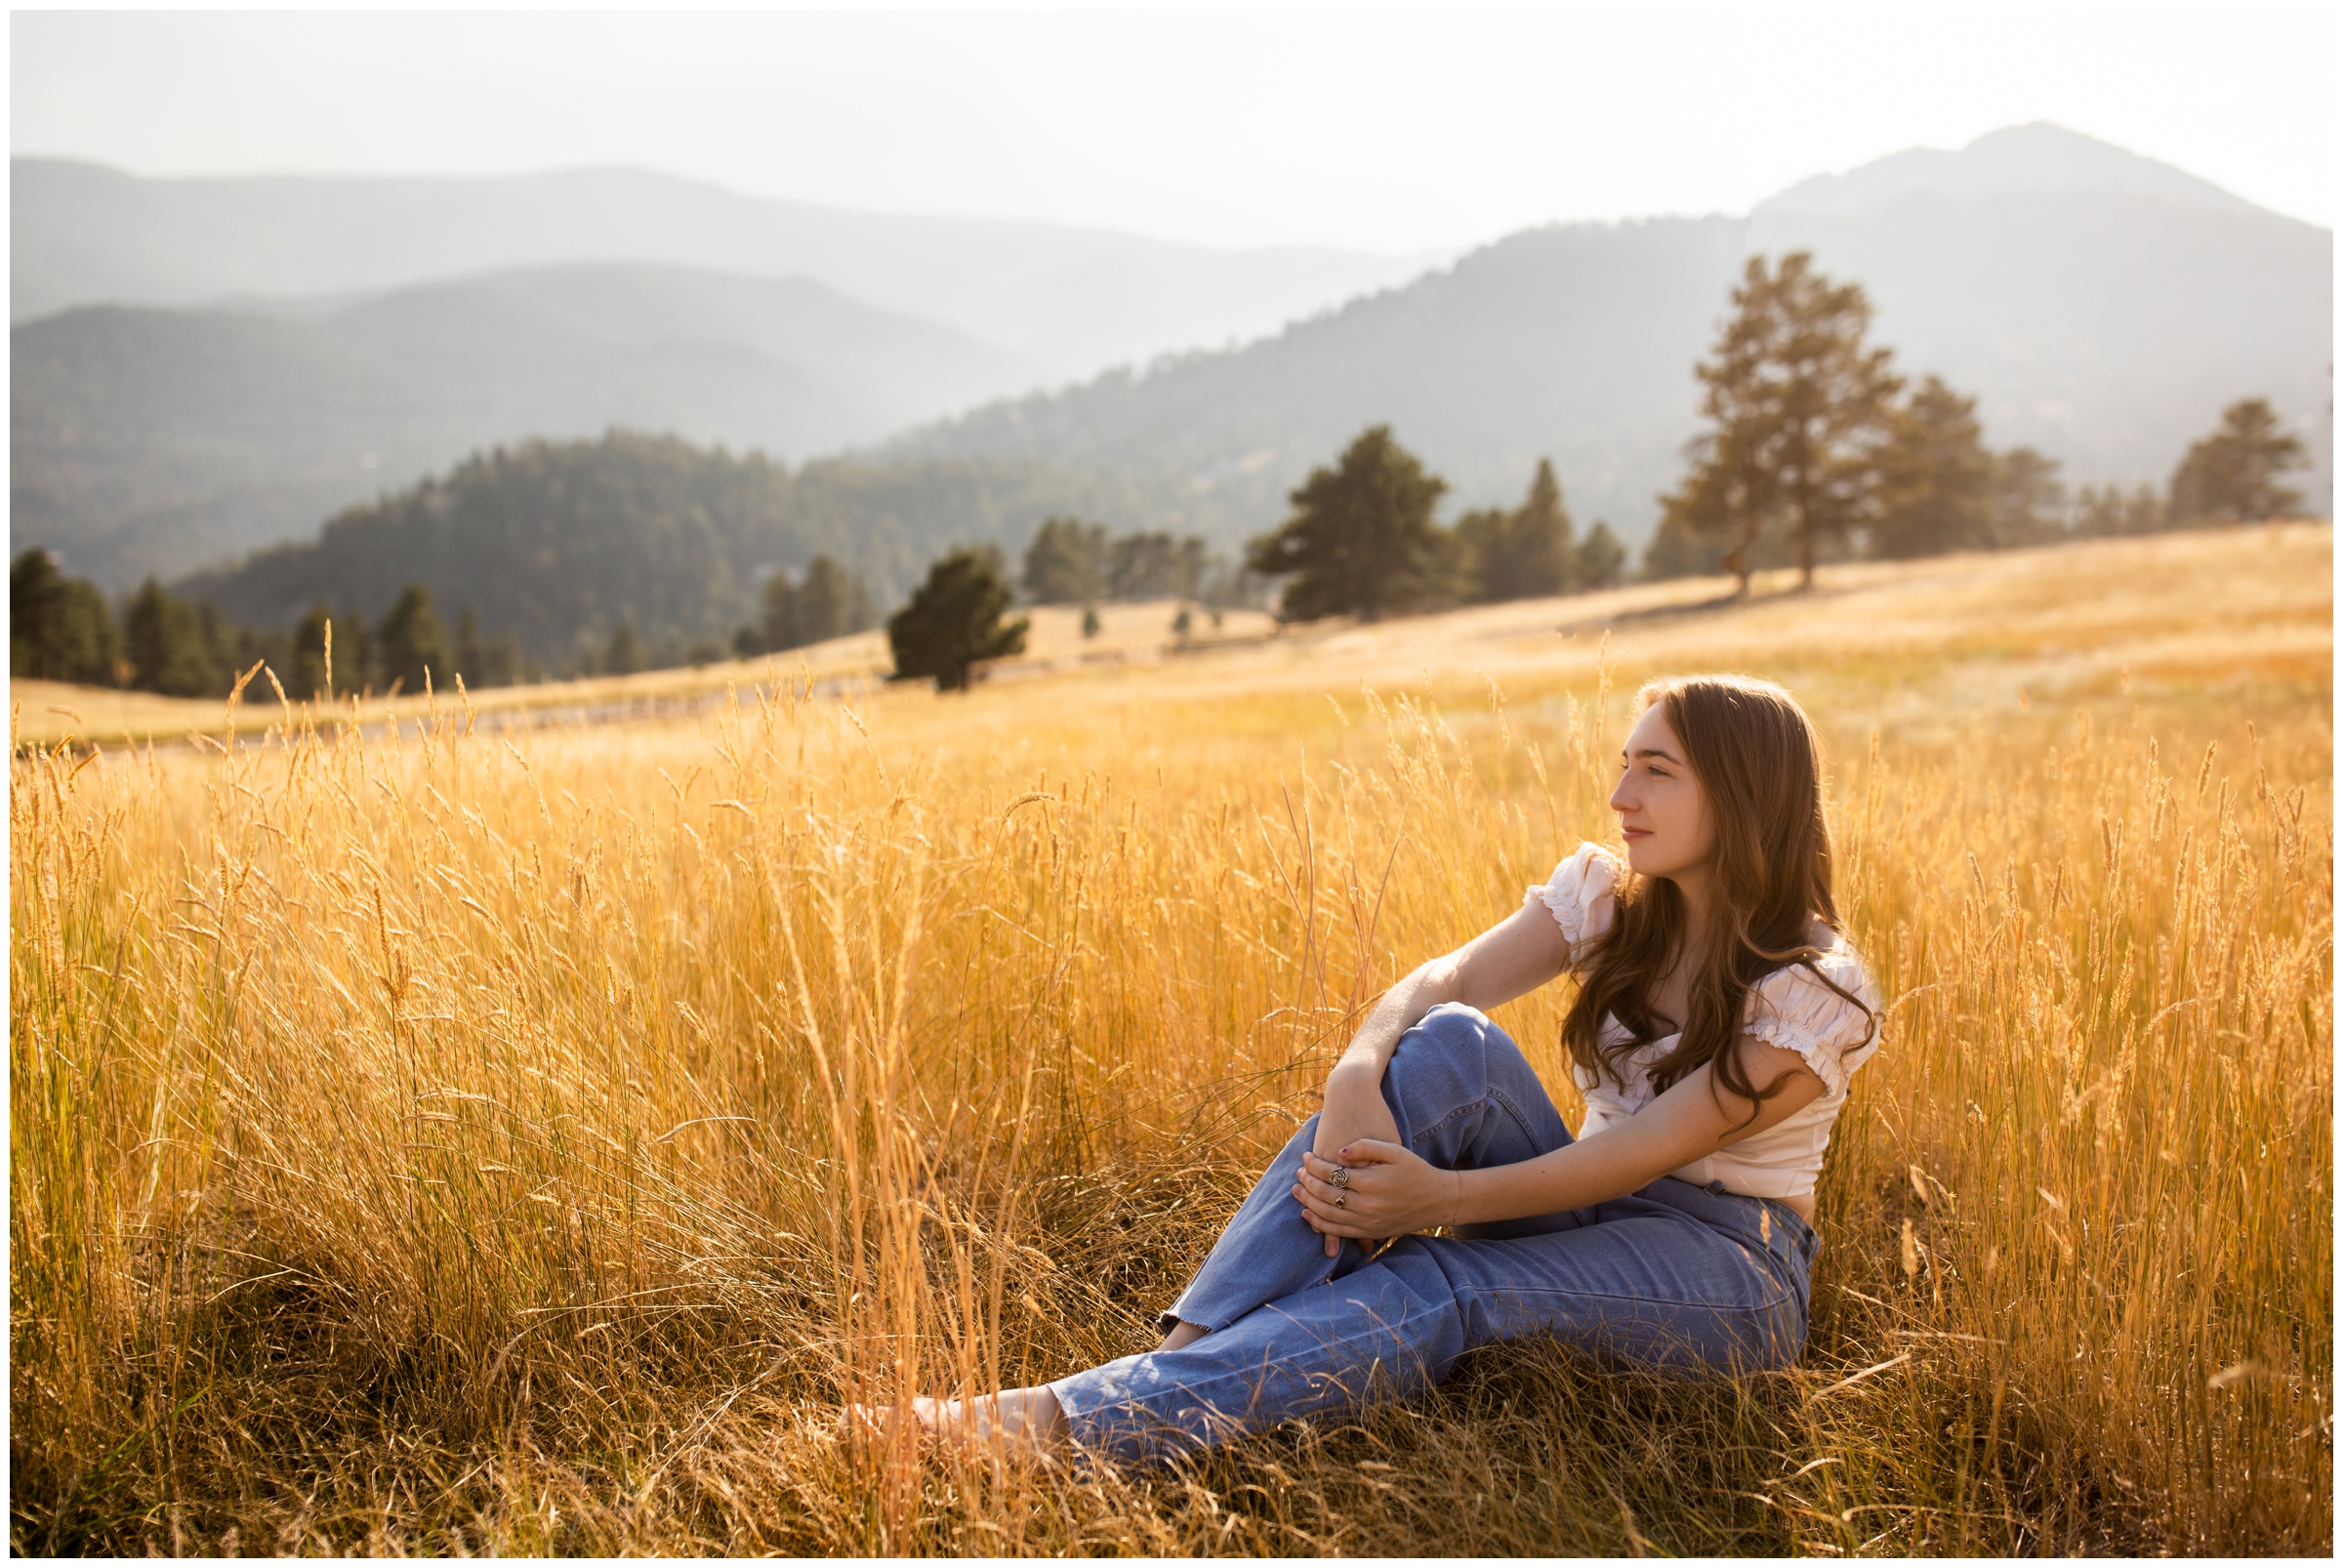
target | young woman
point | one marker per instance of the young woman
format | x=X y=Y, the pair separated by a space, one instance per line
x=1719 y=1015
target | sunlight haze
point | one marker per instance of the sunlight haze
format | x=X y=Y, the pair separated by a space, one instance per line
x=1396 y=133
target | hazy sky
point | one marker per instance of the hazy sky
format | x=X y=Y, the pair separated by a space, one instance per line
x=1398 y=131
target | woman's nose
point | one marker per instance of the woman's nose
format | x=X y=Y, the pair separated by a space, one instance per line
x=1620 y=799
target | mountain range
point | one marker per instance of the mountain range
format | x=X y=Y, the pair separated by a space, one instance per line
x=157 y=441
x=275 y=350
x=1072 y=301
x=2101 y=307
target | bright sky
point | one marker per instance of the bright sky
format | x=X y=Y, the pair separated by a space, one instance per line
x=1395 y=130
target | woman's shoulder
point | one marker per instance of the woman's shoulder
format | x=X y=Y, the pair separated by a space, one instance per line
x=1837 y=960
x=1581 y=893
x=1825 y=1007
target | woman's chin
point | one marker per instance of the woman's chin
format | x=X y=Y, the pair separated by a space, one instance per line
x=1647 y=859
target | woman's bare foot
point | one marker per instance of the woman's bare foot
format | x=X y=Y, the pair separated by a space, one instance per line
x=1017 y=1419
x=1183 y=1335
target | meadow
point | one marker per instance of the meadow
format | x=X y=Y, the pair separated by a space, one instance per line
x=452 y=1144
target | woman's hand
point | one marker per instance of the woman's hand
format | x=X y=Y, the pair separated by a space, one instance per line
x=1354 y=1112
x=1373 y=1188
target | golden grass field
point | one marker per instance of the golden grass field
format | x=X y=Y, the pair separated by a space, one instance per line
x=523 y=1144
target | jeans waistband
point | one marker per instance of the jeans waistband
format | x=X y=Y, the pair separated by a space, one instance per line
x=1769 y=1223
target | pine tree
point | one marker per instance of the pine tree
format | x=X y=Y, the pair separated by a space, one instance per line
x=163 y=640
x=1936 y=478
x=1602 y=560
x=1797 y=405
x=954 y=620
x=831 y=602
x=2232 y=475
x=1065 y=562
x=1361 y=540
x=59 y=628
x=414 y=644
x=2028 y=498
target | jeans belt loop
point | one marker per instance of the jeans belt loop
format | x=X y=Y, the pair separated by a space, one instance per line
x=1716 y=1188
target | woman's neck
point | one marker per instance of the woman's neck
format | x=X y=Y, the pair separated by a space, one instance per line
x=1698 y=892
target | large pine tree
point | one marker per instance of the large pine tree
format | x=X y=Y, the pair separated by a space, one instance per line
x=955 y=621
x=1797 y=405
x=1361 y=540
x=2232 y=475
x=1936 y=478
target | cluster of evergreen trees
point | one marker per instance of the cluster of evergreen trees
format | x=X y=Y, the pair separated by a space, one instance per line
x=1069 y=561
x=826 y=601
x=62 y=629
x=1362 y=541
x=1814 y=450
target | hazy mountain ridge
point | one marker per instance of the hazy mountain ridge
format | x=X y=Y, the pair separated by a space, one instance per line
x=1072 y=300
x=2037 y=159
x=157 y=442
x=2106 y=326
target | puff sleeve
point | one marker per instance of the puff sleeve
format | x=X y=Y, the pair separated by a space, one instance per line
x=1794 y=1009
x=1581 y=895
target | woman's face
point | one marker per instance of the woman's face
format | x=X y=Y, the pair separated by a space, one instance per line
x=1663 y=810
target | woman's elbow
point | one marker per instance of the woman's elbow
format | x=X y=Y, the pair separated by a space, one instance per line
x=1433 y=982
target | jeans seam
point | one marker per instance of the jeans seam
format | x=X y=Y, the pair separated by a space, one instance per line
x=1487 y=1097
x=1614 y=1295
x=1248 y=1371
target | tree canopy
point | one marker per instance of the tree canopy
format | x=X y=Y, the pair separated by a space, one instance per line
x=1797 y=405
x=1361 y=540
x=955 y=619
x=59 y=627
x=2232 y=475
x=829 y=603
x=1526 y=552
x=1936 y=478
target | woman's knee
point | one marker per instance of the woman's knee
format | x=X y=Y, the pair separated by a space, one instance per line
x=1456 y=1049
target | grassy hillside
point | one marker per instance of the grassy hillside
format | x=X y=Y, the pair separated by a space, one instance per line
x=524 y=1144
x=2012 y=623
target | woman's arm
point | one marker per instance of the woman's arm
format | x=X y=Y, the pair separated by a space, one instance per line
x=1393 y=1190
x=1517 y=955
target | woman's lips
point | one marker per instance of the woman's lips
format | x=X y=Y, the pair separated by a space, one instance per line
x=1634 y=832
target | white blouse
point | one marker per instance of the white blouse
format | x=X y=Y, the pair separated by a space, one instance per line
x=1788 y=1008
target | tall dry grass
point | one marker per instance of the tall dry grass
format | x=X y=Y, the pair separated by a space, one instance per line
x=458 y=1144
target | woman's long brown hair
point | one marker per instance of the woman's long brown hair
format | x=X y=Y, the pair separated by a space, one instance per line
x=1759 y=763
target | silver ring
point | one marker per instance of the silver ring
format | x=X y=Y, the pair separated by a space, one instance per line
x=1341 y=1201
x=1341 y=1176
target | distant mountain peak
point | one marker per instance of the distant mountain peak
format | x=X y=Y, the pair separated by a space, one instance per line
x=2018 y=159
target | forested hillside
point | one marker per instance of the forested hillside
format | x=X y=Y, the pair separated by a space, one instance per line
x=558 y=543
x=152 y=442
x=2102 y=309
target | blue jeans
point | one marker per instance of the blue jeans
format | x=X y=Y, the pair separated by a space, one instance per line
x=1675 y=1276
